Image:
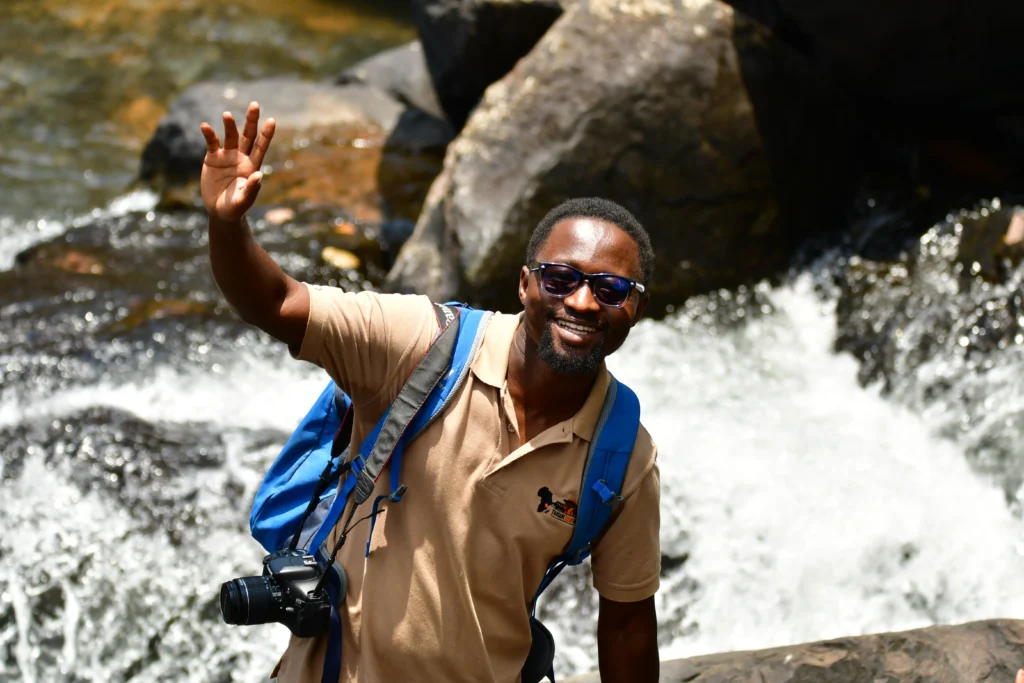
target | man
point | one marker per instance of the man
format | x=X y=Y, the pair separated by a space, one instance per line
x=492 y=486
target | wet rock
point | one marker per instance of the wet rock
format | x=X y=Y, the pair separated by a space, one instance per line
x=142 y=465
x=115 y=298
x=402 y=73
x=982 y=650
x=721 y=140
x=941 y=331
x=470 y=44
x=331 y=143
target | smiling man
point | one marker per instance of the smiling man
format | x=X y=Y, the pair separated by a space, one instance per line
x=443 y=588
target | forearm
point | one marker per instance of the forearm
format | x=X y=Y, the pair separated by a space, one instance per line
x=627 y=642
x=253 y=284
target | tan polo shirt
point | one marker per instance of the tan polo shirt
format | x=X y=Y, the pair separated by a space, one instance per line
x=443 y=594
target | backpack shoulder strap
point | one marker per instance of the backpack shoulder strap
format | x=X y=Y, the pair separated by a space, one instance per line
x=425 y=394
x=605 y=470
x=603 y=476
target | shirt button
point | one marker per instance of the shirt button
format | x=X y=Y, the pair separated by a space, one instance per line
x=511 y=427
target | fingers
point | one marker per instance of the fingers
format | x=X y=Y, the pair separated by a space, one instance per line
x=263 y=143
x=252 y=117
x=230 y=131
x=1020 y=676
x=212 y=143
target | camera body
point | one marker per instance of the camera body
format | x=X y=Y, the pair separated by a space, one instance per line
x=286 y=593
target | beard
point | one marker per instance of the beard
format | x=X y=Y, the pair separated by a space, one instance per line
x=569 y=363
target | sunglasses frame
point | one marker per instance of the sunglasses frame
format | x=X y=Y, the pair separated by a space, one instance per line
x=589 y=279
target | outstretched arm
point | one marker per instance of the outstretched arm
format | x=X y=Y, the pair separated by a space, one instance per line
x=254 y=285
x=627 y=641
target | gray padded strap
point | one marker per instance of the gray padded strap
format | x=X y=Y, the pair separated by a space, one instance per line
x=409 y=401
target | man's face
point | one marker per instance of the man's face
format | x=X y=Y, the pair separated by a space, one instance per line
x=575 y=333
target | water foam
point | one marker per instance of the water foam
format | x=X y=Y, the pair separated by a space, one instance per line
x=813 y=507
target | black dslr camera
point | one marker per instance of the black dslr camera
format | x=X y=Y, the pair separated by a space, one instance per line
x=286 y=593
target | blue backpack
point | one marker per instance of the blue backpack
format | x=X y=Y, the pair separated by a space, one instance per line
x=299 y=502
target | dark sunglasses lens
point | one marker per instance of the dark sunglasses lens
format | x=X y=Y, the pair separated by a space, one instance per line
x=559 y=280
x=611 y=290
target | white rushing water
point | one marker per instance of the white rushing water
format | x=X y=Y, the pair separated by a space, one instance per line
x=810 y=508
x=814 y=508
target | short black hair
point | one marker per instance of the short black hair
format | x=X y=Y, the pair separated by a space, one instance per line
x=599 y=209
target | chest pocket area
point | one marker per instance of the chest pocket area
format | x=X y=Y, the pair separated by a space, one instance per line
x=534 y=521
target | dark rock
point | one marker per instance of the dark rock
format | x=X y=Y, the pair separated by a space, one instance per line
x=400 y=72
x=721 y=140
x=979 y=651
x=939 y=75
x=906 y=54
x=470 y=44
x=941 y=329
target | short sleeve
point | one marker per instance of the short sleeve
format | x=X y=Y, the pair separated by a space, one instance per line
x=626 y=560
x=367 y=342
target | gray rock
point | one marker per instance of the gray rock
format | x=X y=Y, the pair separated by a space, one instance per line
x=175 y=153
x=402 y=73
x=721 y=140
x=470 y=44
x=979 y=651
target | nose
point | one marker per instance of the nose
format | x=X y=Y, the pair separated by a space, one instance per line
x=583 y=299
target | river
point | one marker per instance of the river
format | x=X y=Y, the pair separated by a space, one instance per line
x=137 y=415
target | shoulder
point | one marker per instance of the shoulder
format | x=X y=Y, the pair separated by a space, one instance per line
x=333 y=301
x=643 y=463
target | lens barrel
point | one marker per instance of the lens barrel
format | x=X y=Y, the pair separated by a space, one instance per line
x=249 y=600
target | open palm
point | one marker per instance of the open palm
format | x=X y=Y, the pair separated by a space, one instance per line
x=231 y=174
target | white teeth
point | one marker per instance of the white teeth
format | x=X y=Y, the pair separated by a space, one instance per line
x=576 y=328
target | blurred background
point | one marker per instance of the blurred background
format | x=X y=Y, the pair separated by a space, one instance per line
x=833 y=371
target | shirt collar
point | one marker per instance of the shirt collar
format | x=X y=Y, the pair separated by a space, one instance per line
x=491 y=363
x=491 y=367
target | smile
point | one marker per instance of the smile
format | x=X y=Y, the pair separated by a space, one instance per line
x=577 y=328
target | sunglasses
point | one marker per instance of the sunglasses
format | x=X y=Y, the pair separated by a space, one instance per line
x=560 y=280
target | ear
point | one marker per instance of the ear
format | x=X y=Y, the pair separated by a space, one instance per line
x=524 y=284
x=641 y=306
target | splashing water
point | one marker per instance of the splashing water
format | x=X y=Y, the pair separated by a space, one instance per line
x=796 y=505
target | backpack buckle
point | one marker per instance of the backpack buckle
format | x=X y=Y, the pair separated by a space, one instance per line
x=396 y=495
x=580 y=555
x=608 y=497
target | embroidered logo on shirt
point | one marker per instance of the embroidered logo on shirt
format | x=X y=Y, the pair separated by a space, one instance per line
x=563 y=510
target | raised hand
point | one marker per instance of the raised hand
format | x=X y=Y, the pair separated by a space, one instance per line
x=231 y=175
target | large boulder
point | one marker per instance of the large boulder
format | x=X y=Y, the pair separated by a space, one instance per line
x=979 y=651
x=723 y=142
x=331 y=147
x=470 y=44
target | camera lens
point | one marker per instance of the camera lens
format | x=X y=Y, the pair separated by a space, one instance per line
x=249 y=600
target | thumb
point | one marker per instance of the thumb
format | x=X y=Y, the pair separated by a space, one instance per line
x=252 y=186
